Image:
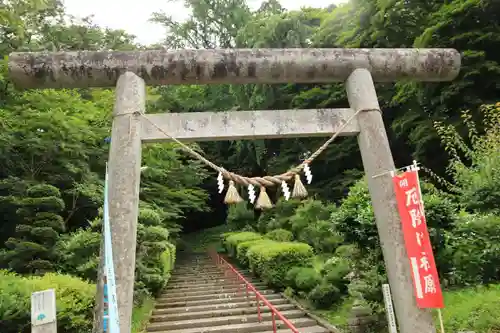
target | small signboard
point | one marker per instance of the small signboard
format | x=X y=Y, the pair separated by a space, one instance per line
x=389 y=309
x=43 y=307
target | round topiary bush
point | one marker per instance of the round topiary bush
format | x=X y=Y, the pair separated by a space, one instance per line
x=324 y=295
x=280 y=235
x=307 y=278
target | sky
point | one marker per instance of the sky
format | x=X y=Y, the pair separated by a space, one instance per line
x=133 y=15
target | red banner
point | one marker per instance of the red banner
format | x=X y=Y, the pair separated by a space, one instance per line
x=417 y=241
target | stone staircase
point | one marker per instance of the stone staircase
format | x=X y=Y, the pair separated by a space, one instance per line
x=199 y=299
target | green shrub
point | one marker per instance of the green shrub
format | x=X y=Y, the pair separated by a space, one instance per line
x=291 y=275
x=355 y=219
x=369 y=276
x=309 y=213
x=347 y=251
x=149 y=216
x=324 y=296
x=78 y=253
x=74 y=298
x=321 y=236
x=239 y=216
x=272 y=261
x=307 y=278
x=236 y=238
x=474 y=250
x=280 y=235
x=335 y=271
x=155 y=254
x=279 y=216
x=242 y=248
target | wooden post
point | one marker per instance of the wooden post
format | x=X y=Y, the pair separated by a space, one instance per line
x=124 y=178
x=377 y=159
x=43 y=312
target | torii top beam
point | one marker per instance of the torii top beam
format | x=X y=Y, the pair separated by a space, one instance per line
x=238 y=66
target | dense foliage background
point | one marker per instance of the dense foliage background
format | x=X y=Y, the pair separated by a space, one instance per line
x=53 y=149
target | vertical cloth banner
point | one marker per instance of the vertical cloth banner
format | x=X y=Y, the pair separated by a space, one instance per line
x=112 y=325
x=417 y=241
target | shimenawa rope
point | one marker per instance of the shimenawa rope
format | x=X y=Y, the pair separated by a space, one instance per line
x=265 y=181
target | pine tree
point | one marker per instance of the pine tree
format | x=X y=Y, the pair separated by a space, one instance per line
x=32 y=248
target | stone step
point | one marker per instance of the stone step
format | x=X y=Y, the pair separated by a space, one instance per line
x=176 y=275
x=194 y=267
x=217 y=306
x=219 y=312
x=219 y=321
x=221 y=296
x=229 y=288
x=193 y=276
x=190 y=274
x=251 y=327
x=212 y=292
x=173 y=303
x=215 y=286
x=197 y=267
x=194 y=264
x=198 y=283
x=199 y=279
x=202 y=297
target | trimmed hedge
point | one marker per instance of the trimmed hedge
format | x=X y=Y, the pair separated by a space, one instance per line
x=242 y=249
x=234 y=239
x=291 y=265
x=272 y=260
x=267 y=258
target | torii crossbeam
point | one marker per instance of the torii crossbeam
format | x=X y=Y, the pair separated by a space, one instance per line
x=131 y=71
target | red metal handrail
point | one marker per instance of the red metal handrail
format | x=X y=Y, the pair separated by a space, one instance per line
x=258 y=296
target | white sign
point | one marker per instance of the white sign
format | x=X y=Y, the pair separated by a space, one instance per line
x=43 y=307
x=389 y=310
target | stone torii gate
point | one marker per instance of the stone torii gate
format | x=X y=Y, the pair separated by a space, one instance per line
x=131 y=71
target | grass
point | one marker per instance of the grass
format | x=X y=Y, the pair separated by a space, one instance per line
x=337 y=316
x=141 y=315
x=476 y=309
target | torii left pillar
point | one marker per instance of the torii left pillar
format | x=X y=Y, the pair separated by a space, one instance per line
x=124 y=179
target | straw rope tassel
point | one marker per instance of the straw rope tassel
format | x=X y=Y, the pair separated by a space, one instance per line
x=232 y=195
x=299 y=190
x=263 y=201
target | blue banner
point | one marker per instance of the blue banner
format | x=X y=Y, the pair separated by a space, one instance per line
x=111 y=320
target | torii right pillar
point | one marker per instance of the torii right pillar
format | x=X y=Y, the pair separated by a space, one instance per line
x=377 y=159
